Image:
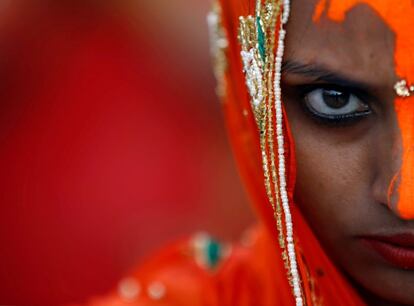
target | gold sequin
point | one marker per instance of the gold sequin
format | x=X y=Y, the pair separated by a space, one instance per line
x=129 y=289
x=156 y=291
x=403 y=90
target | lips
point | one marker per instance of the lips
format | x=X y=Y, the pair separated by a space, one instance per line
x=397 y=250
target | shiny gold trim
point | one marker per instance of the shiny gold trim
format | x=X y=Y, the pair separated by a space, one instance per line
x=250 y=30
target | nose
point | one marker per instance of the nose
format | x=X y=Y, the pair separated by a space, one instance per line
x=388 y=162
x=400 y=195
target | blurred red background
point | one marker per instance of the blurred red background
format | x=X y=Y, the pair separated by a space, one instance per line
x=111 y=143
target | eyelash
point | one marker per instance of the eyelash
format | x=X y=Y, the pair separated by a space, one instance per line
x=333 y=120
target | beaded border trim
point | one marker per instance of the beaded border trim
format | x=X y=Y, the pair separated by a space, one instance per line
x=263 y=72
x=218 y=47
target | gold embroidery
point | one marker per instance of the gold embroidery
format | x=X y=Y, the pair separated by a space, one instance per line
x=257 y=38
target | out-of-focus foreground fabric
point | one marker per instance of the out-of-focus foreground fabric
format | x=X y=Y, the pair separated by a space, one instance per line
x=111 y=143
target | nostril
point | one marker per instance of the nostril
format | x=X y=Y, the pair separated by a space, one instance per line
x=401 y=196
x=392 y=192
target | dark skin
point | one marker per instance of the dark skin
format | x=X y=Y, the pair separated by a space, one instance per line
x=345 y=163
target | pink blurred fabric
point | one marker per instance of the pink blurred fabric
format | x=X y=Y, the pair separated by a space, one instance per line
x=110 y=144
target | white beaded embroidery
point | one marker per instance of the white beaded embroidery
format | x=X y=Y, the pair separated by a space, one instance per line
x=281 y=154
x=254 y=77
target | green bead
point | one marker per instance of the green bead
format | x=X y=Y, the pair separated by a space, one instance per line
x=261 y=39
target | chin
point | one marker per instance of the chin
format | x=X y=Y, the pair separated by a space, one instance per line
x=388 y=286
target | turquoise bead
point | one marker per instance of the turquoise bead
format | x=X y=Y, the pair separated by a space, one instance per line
x=261 y=39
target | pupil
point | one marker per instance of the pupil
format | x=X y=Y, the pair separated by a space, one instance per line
x=335 y=99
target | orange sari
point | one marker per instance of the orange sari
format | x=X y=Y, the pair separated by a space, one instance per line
x=252 y=273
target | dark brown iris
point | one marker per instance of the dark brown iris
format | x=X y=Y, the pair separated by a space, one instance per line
x=335 y=99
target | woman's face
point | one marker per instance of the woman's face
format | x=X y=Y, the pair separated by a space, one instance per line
x=339 y=93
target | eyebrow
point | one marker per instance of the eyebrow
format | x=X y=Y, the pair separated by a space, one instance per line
x=323 y=74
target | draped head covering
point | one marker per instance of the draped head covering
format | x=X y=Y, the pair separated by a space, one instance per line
x=263 y=144
x=264 y=150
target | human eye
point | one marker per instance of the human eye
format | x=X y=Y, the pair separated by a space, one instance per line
x=335 y=105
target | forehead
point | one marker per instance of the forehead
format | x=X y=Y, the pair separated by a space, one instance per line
x=361 y=42
x=359 y=20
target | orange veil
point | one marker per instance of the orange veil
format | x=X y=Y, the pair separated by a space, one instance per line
x=322 y=283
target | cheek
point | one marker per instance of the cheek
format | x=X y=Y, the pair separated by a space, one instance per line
x=333 y=175
x=329 y=181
